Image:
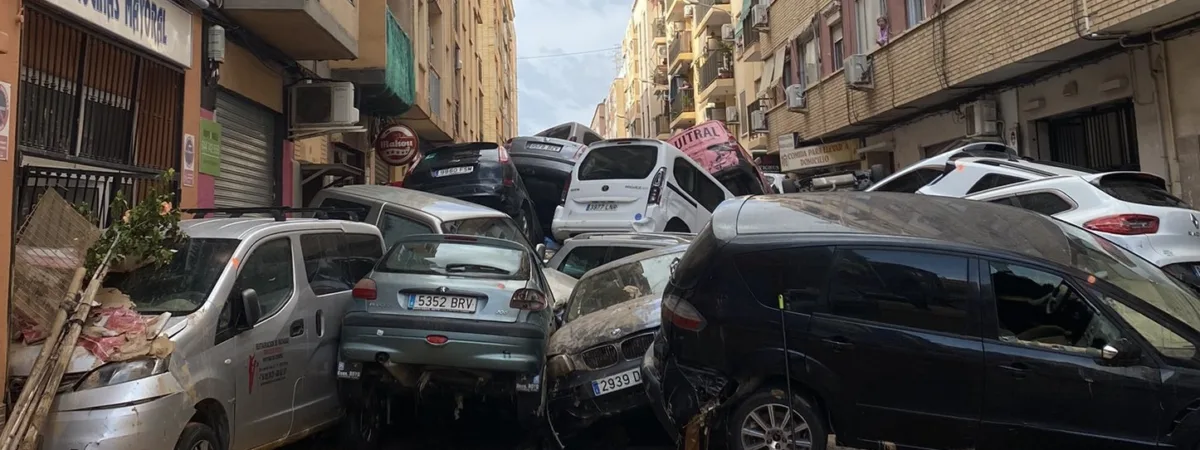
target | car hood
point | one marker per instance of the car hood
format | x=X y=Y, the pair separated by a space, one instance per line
x=606 y=325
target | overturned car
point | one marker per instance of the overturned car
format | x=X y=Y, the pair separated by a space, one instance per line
x=607 y=325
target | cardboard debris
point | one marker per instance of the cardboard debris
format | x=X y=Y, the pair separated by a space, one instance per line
x=116 y=332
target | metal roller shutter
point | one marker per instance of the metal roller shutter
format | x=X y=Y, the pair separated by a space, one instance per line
x=247 y=140
x=382 y=172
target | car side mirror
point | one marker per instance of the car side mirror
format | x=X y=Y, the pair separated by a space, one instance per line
x=1120 y=351
x=540 y=251
x=251 y=310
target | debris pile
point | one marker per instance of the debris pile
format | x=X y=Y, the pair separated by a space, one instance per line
x=116 y=332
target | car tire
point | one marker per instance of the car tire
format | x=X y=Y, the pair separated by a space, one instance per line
x=363 y=425
x=761 y=419
x=198 y=436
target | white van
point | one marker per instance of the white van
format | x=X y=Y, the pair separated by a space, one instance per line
x=639 y=185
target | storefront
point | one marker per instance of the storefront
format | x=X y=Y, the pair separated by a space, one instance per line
x=817 y=159
x=1102 y=137
x=249 y=137
x=100 y=106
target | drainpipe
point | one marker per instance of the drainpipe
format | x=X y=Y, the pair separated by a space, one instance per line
x=1166 y=116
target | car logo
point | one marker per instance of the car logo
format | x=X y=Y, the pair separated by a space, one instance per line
x=614 y=332
x=443 y=290
x=604 y=188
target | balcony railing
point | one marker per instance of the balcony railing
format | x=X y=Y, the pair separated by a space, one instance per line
x=660 y=28
x=682 y=103
x=682 y=43
x=715 y=67
x=660 y=77
x=435 y=94
x=662 y=124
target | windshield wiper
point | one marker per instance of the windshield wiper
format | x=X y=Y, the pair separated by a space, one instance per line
x=474 y=268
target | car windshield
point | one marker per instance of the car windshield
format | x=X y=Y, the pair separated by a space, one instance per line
x=463 y=259
x=622 y=283
x=182 y=285
x=1107 y=261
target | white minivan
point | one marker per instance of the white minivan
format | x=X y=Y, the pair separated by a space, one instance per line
x=641 y=185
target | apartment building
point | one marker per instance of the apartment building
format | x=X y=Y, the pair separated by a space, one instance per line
x=599 y=124
x=700 y=62
x=1104 y=84
x=614 y=109
x=499 y=71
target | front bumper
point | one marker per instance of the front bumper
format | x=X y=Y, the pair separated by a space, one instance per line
x=574 y=394
x=153 y=425
x=476 y=345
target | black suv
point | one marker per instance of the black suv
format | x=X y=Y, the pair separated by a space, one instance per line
x=924 y=322
x=481 y=173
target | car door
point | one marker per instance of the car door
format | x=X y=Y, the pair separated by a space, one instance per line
x=395 y=225
x=272 y=352
x=1047 y=385
x=701 y=193
x=900 y=328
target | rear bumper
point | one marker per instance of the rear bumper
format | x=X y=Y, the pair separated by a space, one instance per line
x=564 y=229
x=651 y=376
x=472 y=344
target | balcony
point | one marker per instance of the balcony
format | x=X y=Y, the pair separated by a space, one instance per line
x=302 y=29
x=747 y=43
x=716 y=76
x=660 y=32
x=384 y=71
x=680 y=53
x=712 y=14
x=674 y=11
x=683 y=110
x=662 y=127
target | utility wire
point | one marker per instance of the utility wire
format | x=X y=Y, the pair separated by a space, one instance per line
x=585 y=52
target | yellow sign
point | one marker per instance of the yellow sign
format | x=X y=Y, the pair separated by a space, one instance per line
x=818 y=155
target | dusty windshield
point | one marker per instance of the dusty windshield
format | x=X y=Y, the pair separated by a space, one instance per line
x=620 y=284
x=180 y=286
x=1105 y=260
x=457 y=259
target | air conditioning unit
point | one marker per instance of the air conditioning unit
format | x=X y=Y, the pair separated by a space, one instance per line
x=689 y=11
x=662 y=51
x=323 y=105
x=758 y=121
x=715 y=113
x=731 y=114
x=795 y=98
x=858 y=72
x=759 y=20
x=981 y=119
x=727 y=32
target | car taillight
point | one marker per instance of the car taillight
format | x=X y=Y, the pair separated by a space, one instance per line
x=566 y=188
x=364 y=290
x=656 y=186
x=528 y=299
x=682 y=314
x=1124 y=224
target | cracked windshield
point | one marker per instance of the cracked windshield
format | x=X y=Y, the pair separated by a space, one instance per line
x=601 y=224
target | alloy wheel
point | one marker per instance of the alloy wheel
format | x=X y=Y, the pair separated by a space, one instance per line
x=771 y=427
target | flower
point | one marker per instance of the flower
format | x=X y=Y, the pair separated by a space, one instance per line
x=125 y=218
x=166 y=208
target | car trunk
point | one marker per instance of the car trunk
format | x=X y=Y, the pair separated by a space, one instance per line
x=491 y=295
x=1178 y=223
x=613 y=183
x=455 y=165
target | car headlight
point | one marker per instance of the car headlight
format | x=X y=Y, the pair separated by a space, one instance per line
x=558 y=366
x=123 y=372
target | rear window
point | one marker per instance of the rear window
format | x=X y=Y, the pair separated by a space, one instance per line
x=493 y=227
x=628 y=162
x=911 y=181
x=352 y=210
x=457 y=259
x=1143 y=192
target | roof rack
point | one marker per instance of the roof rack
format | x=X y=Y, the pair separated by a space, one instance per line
x=279 y=213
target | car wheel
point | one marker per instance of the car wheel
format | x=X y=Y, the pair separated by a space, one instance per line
x=363 y=424
x=763 y=421
x=198 y=436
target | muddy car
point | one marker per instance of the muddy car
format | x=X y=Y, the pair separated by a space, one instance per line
x=607 y=325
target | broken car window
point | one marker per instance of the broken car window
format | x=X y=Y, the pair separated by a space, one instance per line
x=620 y=284
x=1041 y=310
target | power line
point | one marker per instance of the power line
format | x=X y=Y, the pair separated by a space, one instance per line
x=585 y=52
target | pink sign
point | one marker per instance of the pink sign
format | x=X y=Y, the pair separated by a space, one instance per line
x=712 y=146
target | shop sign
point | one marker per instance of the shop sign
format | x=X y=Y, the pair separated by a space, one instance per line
x=819 y=155
x=210 y=147
x=159 y=26
x=397 y=145
x=189 y=160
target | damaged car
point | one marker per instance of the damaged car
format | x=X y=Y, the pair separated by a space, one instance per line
x=607 y=325
x=901 y=321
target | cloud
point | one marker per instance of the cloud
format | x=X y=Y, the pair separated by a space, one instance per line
x=554 y=90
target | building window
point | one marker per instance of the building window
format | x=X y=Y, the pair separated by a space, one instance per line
x=788 y=71
x=809 y=71
x=916 y=12
x=867 y=13
x=838 y=52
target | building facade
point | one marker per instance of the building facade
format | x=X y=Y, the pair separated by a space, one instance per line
x=1103 y=84
x=599 y=124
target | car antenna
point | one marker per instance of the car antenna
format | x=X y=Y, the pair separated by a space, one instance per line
x=787 y=372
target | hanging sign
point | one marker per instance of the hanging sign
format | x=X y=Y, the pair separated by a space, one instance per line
x=397 y=145
x=158 y=26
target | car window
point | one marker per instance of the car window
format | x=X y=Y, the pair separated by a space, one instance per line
x=911 y=181
x=797 y=274
x=620 y=284
x=1167 y=342
x=395 y=227
x=615 y=253
x=582 y=259
x=1041 y=310
x=913 y=289
x=1042 y=202
x=334 y=262
x=993 y=180
x=495 y=227
x=460 y=259
x=268 y=271
x=590 y=138
x=182 y=285
x=1141 y=192
x=337 y=203
x=624 y=162
x=693 y=181
x=559 y=132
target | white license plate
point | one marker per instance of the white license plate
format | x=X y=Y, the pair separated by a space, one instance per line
x=601 y=206
x=546 y=147
x=453 y=171
x=450 y=303
x=613 y=383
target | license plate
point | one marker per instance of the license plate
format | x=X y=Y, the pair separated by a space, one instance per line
x=450 y=303
x=546 y=147
x=613 y=383
x=349 y=370
x=602 y=206
x=453 y=171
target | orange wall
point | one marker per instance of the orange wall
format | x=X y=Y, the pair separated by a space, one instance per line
x=10 y=45
x=191 y=109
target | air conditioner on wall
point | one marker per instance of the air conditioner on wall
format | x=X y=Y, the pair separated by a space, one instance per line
x=795 y=98
x=981 y=119
x=858 y=72
x=715 y=113
x=759 y=18
x=322 y=105
x=689 y=11
x=727 y=32
x=731 y=114
x=758 y=121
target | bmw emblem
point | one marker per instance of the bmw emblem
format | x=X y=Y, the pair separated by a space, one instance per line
x=604 y=188
x=614 y=332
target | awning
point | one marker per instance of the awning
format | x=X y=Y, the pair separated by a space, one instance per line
x=772 y=72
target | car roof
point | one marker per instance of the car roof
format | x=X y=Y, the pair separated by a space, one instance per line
x=1036 y=168
x=896 y=216
x=444 y=208
x=635 y=258
x=244 y=227
x=667 y=237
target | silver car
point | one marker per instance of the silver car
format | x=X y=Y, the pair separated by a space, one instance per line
x=452 y=311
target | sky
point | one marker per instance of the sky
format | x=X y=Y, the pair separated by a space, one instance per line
x=557 y=89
